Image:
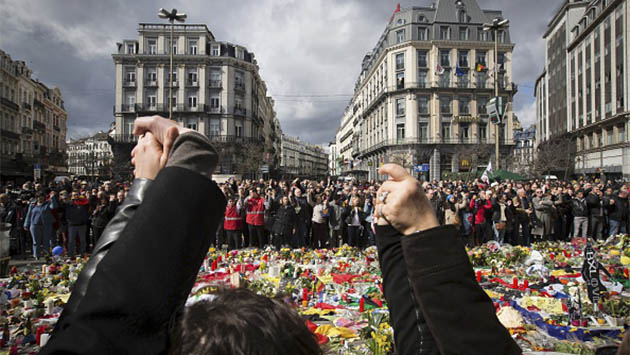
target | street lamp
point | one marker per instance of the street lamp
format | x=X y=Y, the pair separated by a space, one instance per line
x=172 y=17
x=496 y=25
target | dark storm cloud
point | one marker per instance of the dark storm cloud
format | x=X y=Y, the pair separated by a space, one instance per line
x=305 y=49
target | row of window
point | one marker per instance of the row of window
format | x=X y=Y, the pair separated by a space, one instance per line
x=445 y=33
x=446 y=104
x=445 y=59
x=192 y=76
x=465 y=131
x=191 y=100
x=597 y=139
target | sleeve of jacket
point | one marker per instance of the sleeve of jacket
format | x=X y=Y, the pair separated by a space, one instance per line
x=27 y=219
x=411 y=333
x=460 y=315
x=148 y=272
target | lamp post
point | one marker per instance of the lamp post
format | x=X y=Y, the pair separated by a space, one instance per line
x=496 y=25
x=172 y=17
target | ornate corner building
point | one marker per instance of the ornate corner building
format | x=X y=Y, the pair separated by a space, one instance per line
x=422 y=93
x=33 y=131
x=216 y=91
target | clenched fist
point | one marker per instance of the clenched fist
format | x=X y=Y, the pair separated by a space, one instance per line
x=406 y=207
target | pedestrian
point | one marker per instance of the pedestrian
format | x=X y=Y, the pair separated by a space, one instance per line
x=353 y=218
x=283 y=227
x=255 y=218
x=579 y=210
x=233 y=222
x=76 y=213
x=39 y=221
x=320 y=223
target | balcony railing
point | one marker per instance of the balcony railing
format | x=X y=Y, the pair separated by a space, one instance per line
x=240 y=111
x=27 y=130
x=215 y=84
x=196 y=108
x=125 y=108
x=56 y=128
x=150 y=83
x=212 y=109
x=39 y=103
x=9 y=134
x=10 y=104
x=233 y=139
x=124 y=138
x=239 y=87
x=129 y=83
x=26 y=105
x=193 y=83
x=39 y=126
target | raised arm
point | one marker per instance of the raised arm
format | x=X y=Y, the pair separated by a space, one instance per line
x=459 y=314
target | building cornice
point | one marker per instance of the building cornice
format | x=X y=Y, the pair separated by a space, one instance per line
x=593 y=25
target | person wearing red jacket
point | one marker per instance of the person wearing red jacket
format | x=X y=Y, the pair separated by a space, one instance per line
x=233 y=223
x=255 y=218
x=479 y=205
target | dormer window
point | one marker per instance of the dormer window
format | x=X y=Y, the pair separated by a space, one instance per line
x=400 y=21
x=462 y=16
x=422 y=18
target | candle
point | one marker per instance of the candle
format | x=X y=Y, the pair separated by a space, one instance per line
x=362 y=305
x=515 y=283
x=304 y=294
x=478 y=276
x=43 y=339
x=525 y=284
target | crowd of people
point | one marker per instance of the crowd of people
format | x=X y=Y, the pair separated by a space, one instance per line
x=70 y=214
x=327 y=213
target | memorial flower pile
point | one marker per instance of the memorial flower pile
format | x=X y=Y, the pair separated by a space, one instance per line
x=539 y=294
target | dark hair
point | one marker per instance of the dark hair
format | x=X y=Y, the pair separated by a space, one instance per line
x=241 y=322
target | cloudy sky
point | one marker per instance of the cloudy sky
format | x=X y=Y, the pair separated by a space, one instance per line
x=309 y=51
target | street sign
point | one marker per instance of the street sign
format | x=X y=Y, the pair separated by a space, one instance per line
x=496 y=109
x=421 y=168
x=264 y=169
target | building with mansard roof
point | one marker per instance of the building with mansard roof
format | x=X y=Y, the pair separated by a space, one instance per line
x=421 y=95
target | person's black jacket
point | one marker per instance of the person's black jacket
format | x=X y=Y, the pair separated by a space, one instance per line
x=149 y=268
x=285 y=220
x=306 y=211
x=427 y=278
x=75 y=214
x=617 y=211
x=103 y=214
x=595 y=205
x=579 y=208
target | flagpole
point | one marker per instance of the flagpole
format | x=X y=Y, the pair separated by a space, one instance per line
x=497 y=133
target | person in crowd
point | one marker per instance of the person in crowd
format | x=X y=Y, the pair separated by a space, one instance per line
x=479 y=205
x=283 y=227
x=304 y=211
x=233 y=222
x=543 y=208
x=596 y=211
x=353 y=217
x=524 y=210
x=76 y=212
x=335 y=221
x=319 y=225
x=617 y=210
x=39 y=221
x=579 y=210
x=255 y=211
x=102 y=214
